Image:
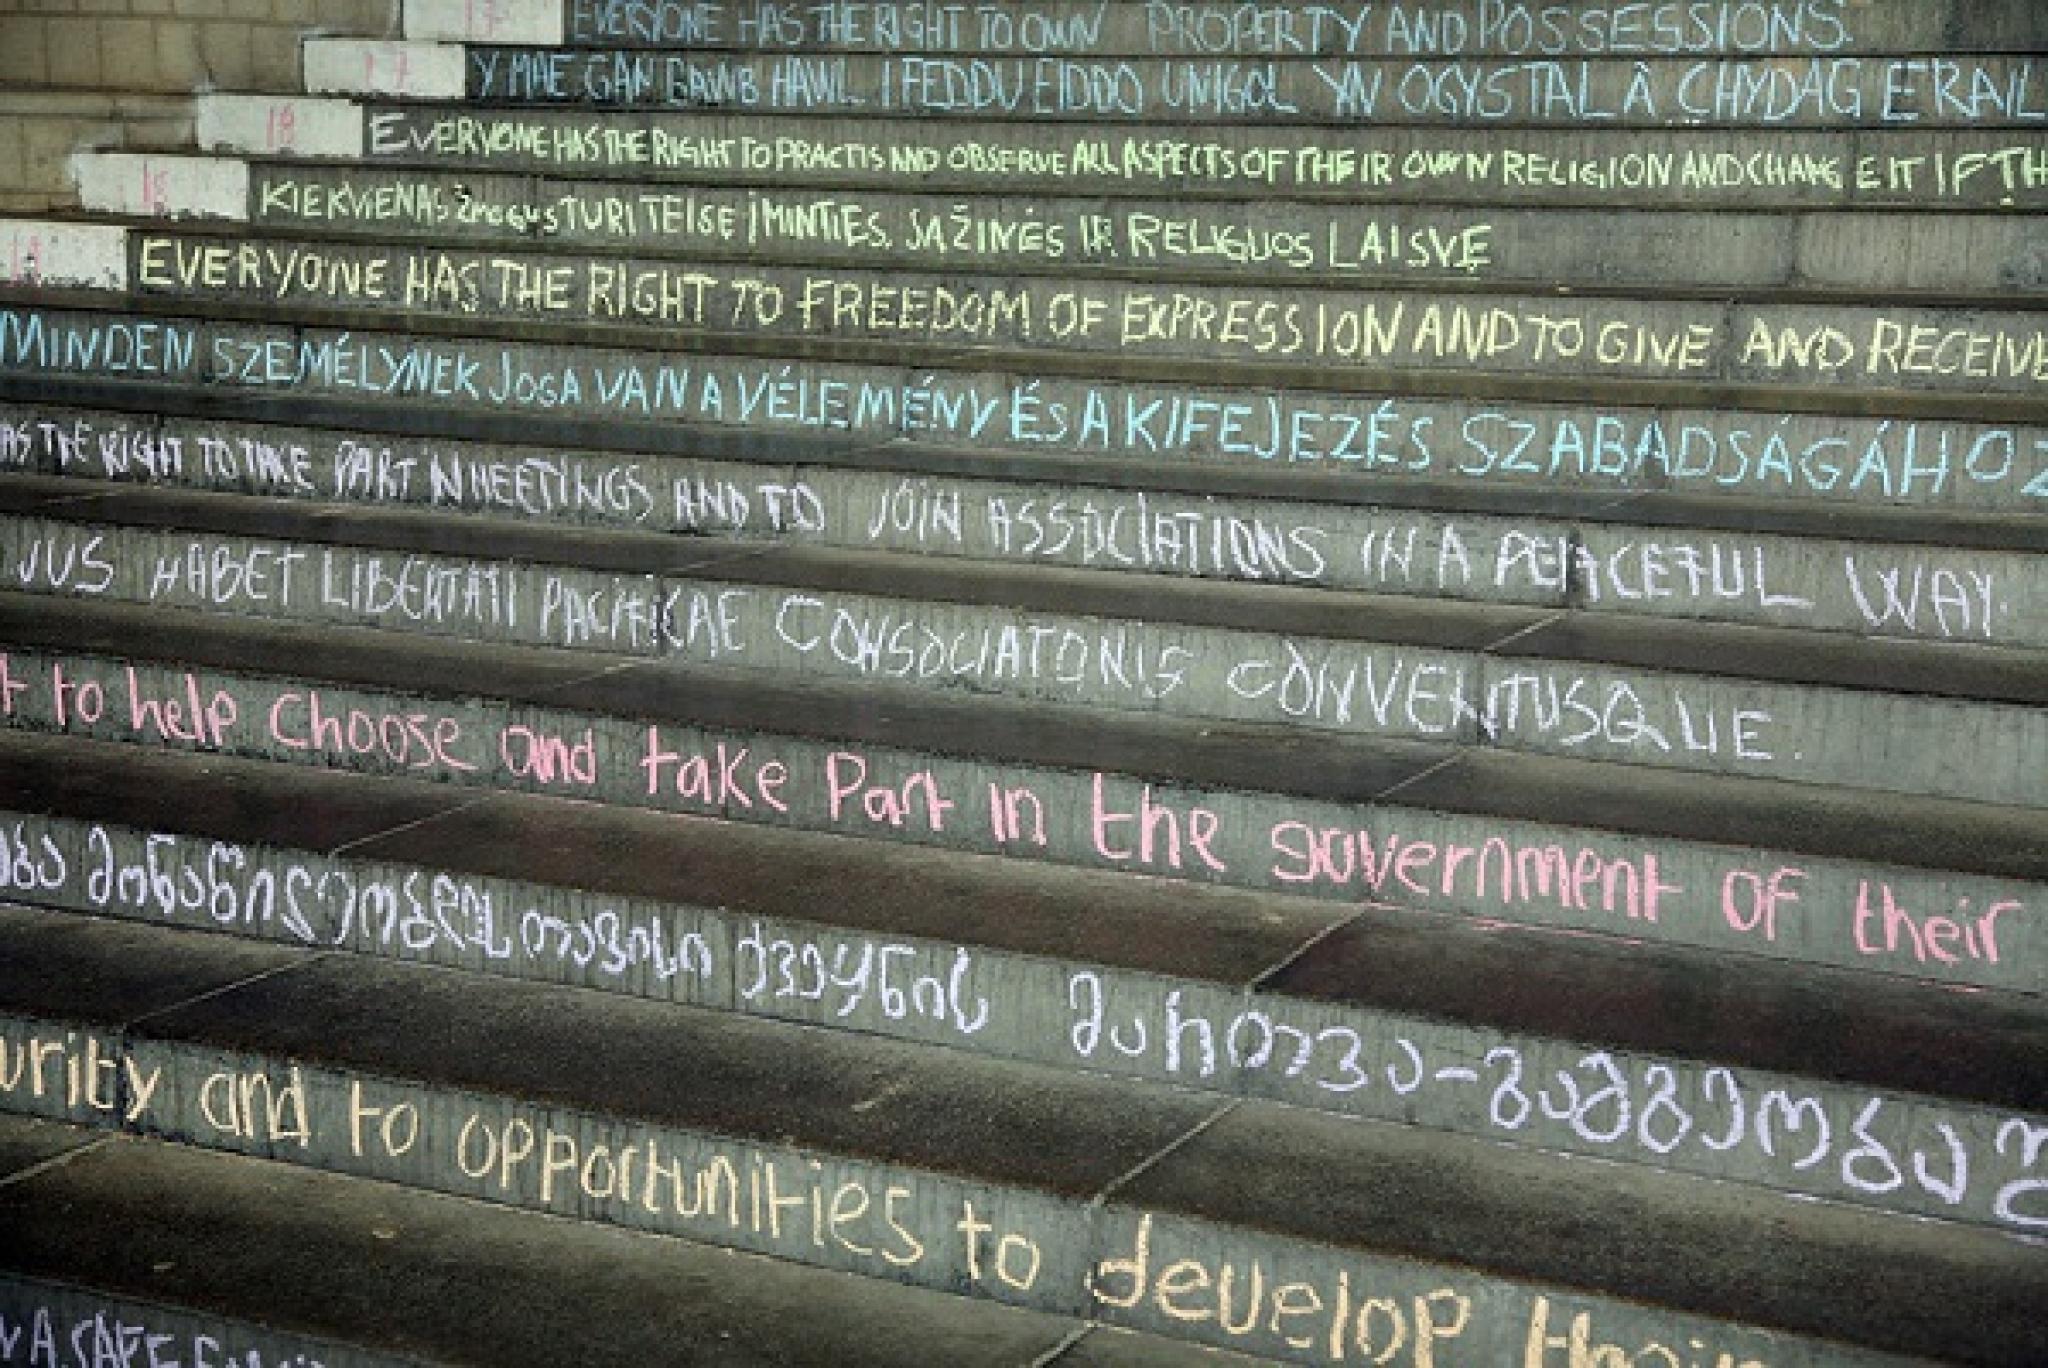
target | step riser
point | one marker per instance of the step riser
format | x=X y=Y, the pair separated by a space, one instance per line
x=49 y=1323
x=1598 y=447
x=894 y=1222
x=1809 y=1136
x=1466 y=29
x=1624 y=340
x=1991 y=752
x=1285 y=243
x=1594 y=168
x=1795 y=92
x=1910 y=592
x=1530 y=168
x=1885 y=919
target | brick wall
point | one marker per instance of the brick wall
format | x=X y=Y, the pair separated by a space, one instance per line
x=114 y=73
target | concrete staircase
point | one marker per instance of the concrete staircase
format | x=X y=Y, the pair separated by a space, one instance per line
x=1060 y=683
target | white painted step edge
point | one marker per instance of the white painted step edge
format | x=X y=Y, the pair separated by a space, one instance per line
x=161 y=185
x=535 y=23
x=43 y=252
x=372 y=66
x=266 y=125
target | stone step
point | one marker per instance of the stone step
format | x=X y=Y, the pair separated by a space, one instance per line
x=1371 y=1013
x=1812 y=459
x=1625 y=344
x=1922 y=888
x=1959 y=91
x=693 y=480
x=1909 y=584
x=1997 y=256
x=1596 y=168
x=1057 y=1193
x=1755 y=702
x=1036 y=27
x=123 y=1248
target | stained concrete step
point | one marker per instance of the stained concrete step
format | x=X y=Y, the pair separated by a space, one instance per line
x=1912 y=583
x=1997 y=256
x=1764 y=703
x=1630 y=347
x=1921 y=888
x=1056 y=1193
x=126 y=1248
x=1813 y=456
x=1035 y=27
x=1974 y=90
x=1370 y=1013
x=691 y=480
x=1526 y=167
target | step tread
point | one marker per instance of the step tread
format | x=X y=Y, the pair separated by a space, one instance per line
x=28 y=1142
x=419 y=1276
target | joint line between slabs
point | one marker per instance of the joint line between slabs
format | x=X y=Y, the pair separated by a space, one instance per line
x=1392 y=789
x=616 y=668
x=345 y=847
x=1520 y=632
x=1279 y=966
x=211 y=993
x=1115 y=1185
x=1065 y=1346
x=56 y=1161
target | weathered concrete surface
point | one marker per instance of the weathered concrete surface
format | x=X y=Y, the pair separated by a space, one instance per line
x=837 y=1154
x=386 y=1086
